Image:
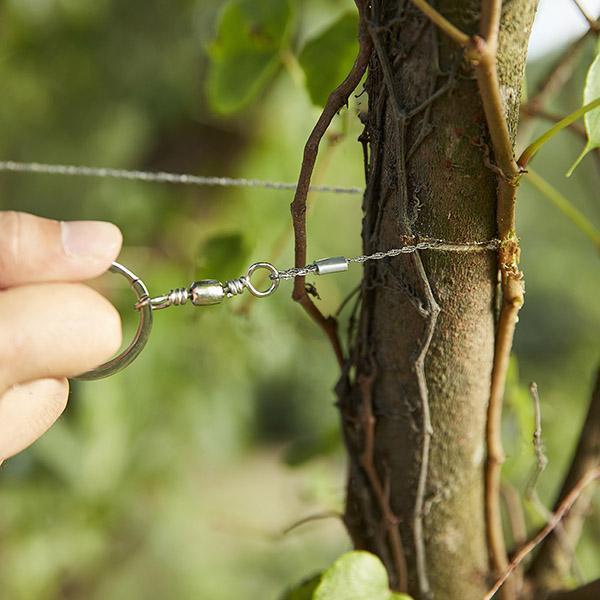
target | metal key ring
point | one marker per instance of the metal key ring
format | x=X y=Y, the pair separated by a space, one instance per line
x=127 y=356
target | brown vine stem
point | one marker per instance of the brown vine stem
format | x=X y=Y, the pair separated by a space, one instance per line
x=460 y=37
x=557 y=516
x=390 y=520
x=483 y=56
x=336 y=101
x=283 y=238
x=327 y=514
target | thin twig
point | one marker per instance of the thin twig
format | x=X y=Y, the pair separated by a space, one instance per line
x=460 y=37
x=541 y=460
x=432 y=311
x=483 y=58
x=575 y=127
x=327 y=514
x=553 y=558
x=337 y=99
x=557 y=516
x=589 y=591
x=495 y=451
x=491 y=11
x=558 y=74
x=368 y=464
x=533 y=148
x=286 y=233
x=593 y=23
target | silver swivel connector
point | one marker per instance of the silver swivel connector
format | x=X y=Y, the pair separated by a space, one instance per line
x=210 y=291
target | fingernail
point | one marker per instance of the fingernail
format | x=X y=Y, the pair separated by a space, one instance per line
x=92 y=240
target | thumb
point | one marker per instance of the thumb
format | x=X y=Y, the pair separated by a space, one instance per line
x=34 y=249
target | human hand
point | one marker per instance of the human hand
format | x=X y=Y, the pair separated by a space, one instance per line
x=51 y=327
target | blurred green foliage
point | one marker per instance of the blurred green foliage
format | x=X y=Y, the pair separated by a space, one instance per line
x=173 y=478
x=247 y=50
x=339 y=40
x=591 y=92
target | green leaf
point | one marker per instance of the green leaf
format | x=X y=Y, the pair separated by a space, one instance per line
x=222 y=256
x=591 y=92
x=356 y=575
x=246 y=52
x=328 y=57
x=304 y=590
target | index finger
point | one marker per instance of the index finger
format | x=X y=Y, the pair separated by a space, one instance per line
x=34 y=249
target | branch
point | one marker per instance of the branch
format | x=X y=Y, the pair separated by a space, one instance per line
x=558 y=74
x=482 y=53
x=551 y=562
x=527 y=111
x=337 y=99
x=589 y=591
x=511 y=304
x=593 y=23
x=533 y=148
x=541 y=460
x=460 y=37
x=382 y=497
x=328 y=514
x=491 y=11
x=557 y=516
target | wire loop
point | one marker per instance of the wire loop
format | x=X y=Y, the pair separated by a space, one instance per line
x=273 y=278
x=127 y=356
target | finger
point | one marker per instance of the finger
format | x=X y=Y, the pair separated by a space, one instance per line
x=27 y=411
x=33 y=249
x=54 y=330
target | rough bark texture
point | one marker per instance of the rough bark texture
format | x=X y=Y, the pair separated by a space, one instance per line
x=427 y=175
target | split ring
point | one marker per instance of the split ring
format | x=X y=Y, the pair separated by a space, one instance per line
x=127 y=356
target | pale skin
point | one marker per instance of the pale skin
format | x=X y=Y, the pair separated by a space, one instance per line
x=52 y=326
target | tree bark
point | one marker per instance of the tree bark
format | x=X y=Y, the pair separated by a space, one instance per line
x=425 y=335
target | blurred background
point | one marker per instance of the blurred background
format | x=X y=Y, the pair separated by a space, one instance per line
x=178 y=477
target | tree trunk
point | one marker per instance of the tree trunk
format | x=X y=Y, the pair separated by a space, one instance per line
x=411 y=369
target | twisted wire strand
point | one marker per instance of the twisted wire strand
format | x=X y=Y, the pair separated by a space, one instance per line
x=163 y=177
x=234 y=287
x=424 y=244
